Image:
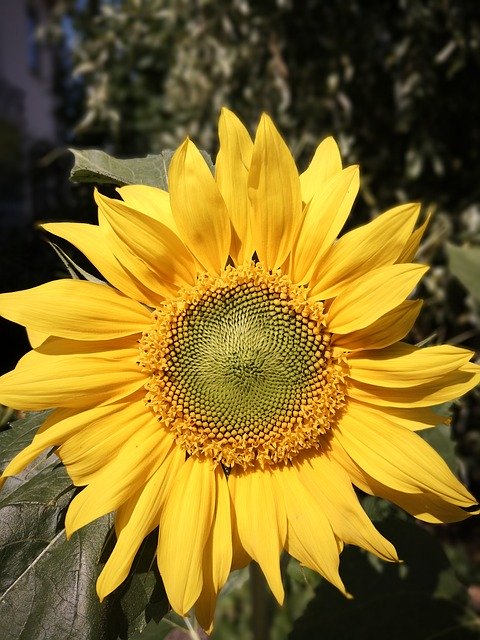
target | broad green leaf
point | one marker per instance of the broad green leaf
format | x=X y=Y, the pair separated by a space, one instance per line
x=18 y=435
x=47 y=584
x=13 y=439
x=95 y=166
x=418 y=599
x=143 y=597
x=464 y=263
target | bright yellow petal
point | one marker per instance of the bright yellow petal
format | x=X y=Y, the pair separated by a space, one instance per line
x=372 y=296
x=136 y=462
x=403 y=365
x=86 y=451
x=399 y=459
x=151 y=201
x=184 y=530
x=198 y=208
x=231 y=173
x=423 y=504
x=140 y=241
x=444 y=389
x=144 y=517
x=36 y=338
x=261 y=522
x=63 y=424
x=217 y=555
x=274 y=191
x=310 y=537
x=410 y=250
x=92 y=241
x=362 y=250
x=324 y=165
x=331 y=486
x=413 y=418
x=388 y=329
x=75 y=309
x=240 y=557
x=43 y=382
x=324 y=218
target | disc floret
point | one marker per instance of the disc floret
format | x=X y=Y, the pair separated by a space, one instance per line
x=240 y=368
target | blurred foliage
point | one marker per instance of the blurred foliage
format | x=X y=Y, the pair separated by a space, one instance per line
x=392 y=81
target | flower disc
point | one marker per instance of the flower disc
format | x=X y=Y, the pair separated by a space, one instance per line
x=240 y=368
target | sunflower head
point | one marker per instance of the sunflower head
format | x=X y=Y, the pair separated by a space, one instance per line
x=239 y=370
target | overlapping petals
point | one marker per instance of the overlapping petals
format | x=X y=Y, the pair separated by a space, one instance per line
x=149 y=247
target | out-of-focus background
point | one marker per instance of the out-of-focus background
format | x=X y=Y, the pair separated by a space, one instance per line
x=397 y=83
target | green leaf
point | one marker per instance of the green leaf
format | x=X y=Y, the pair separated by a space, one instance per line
x=142 y=597
x=418 y=599
x=92 y=165
x=464 y=263
x=18 y=435
x=440 y=439
x=13 y=439
x=47 y=583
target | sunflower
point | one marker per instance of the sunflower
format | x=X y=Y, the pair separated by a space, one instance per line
x=239 y=371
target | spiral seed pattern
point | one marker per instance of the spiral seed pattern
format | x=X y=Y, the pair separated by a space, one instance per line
x=240 y=369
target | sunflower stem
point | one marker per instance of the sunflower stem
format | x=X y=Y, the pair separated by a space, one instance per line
x=262 y=604
x=191 y=627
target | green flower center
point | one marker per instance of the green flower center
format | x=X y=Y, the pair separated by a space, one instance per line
x=239 y=368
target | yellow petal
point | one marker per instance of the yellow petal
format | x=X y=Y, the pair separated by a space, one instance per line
x=36 y=338
x=136 y=462
x=372 y=296
x=413 y=418
x=261 y=522
x=388 y=329
x=63 y=424
x=231 y=174
x=205 y=608
x=144 y=517
x=423 y=504
x=140 y=241
x=324 y=218
x=240 y=557
x=369 y=247
x=325 y=163
x=92 y=241
x=151 y=201
x=444 y=389
x=184 y=530
x=274 y=191
x=403 y=365
x=413 y=243
x=217 y=555
x=332 y=488
x=75 y=309
x=198 y=208
x=86 y=451
x=399 y=459
x=43 y=382
x=310 y=537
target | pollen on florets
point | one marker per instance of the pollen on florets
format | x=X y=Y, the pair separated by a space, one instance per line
x=240 y=368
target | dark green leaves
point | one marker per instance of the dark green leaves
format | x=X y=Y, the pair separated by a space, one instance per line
x=47 y=584
x=419 y=599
